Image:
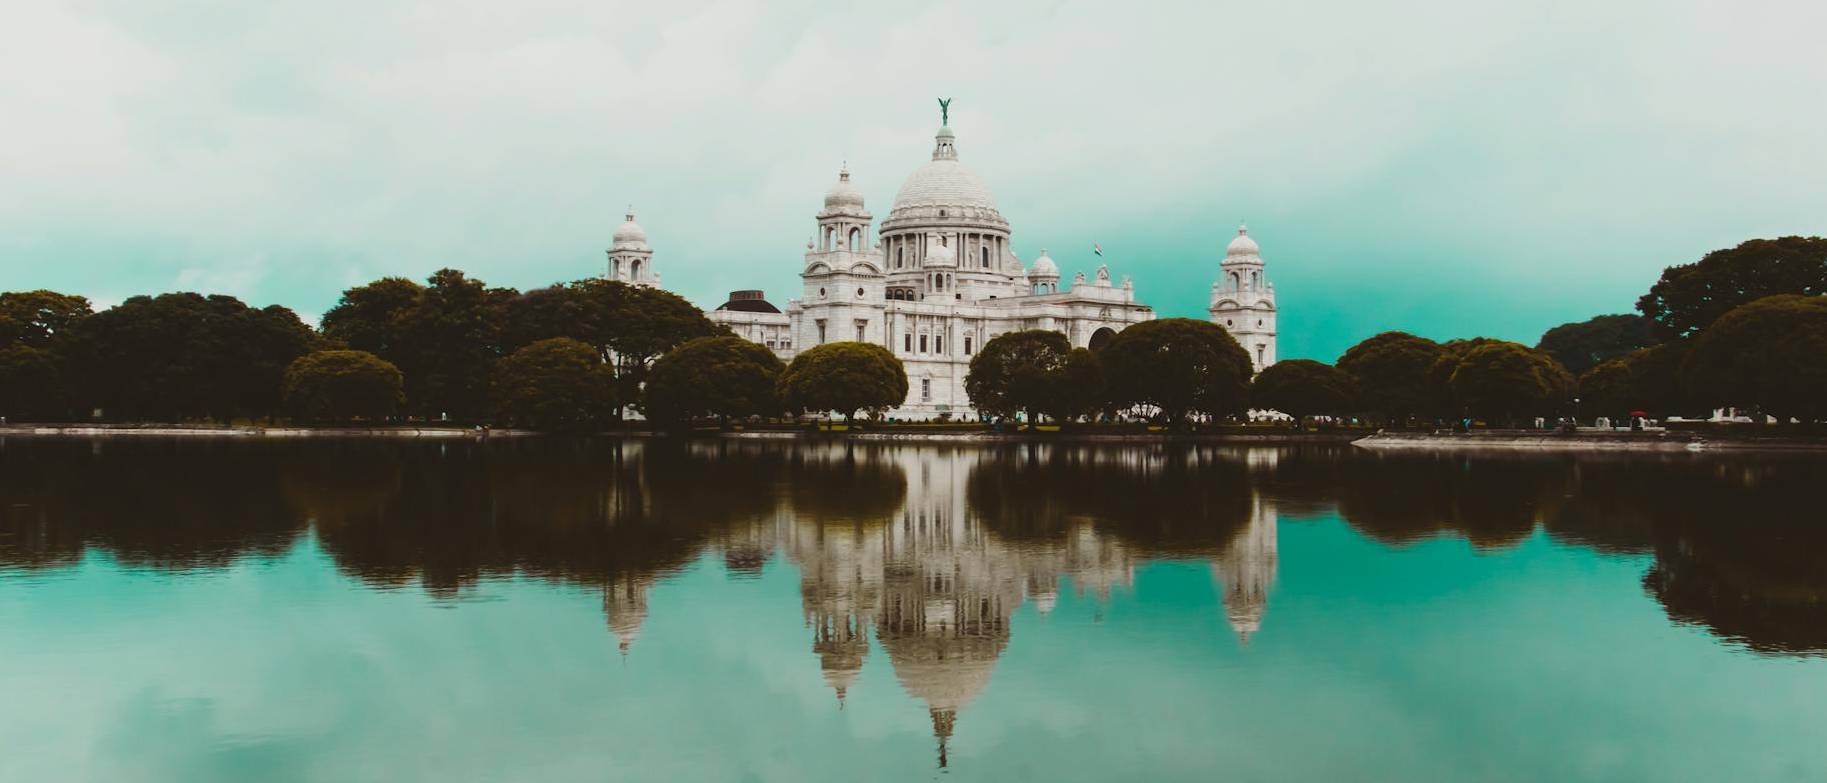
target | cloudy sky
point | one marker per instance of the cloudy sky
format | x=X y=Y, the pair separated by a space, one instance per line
x=1450 y=168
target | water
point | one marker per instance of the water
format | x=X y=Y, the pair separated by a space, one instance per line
x=559 y=610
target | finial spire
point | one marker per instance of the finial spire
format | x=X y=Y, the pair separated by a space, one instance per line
x=945 y=113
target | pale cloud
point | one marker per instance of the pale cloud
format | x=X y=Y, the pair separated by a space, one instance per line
x=1412 y=164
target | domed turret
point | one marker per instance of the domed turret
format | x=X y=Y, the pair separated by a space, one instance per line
x=843 y=196
x=630 y=235
x=1044 y=275
x=1243 y=245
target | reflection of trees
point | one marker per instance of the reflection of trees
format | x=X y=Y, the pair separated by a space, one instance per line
x=162 y=503
x=1738 y=542
x=1491 y=501
x=1166 y=500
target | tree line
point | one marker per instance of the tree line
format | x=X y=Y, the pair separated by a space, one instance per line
x=1743 y=327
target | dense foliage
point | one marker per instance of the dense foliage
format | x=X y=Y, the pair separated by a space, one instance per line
x=1583 y=345
x=1302 y=388
x=1505 y=381
x=725 y=377
x=559 y=384
x=1018 y=373
x=186 y=356
x=1769 y=355
x=1177 y=366
x=1391 y=373
x=845 y=377
x=1689 y=297
x=341 y=386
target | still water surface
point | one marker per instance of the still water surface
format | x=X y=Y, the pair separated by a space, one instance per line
x=558 y=610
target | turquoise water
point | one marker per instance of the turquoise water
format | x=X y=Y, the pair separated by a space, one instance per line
x=555 y=610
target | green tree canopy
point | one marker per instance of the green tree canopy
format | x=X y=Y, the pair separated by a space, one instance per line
x=558 y=384
x=1302 y=388
x=1015 y=373
x=1689 y=297
x=1390 y=372
x=629 y=325
x=1498 y=380
x=31 y=384
x=339 y=386
x=446 y=342
x=39 y=318
x=1770 y=354
x=1078 y=387
x=1179 y=366
x=726 y=377
x=184 y=355
x=1648 y=380
x=845 y=377
x=367 y=317
x=1582 y=345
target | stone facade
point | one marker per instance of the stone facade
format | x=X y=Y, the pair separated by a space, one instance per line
x=940 y=279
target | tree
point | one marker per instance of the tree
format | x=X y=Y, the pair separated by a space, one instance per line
x=1302 y=388
x=727 y=377
x=1770 y=354
x=184 y=355
x=1390 y=373
x=367 y=316
x=1179 y=366
x=1499 y=380
x=1014 y=373
x=30 y=383
x=1648 y=380
x=633 y=325
x=1689 y=297
x=845 y=377
x=446 y=342
x=555 y=385
x=1581 y=346
x=40 y=318
x=1077 y=387
x=340 y=386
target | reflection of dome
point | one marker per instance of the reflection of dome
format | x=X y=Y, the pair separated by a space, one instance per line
x=944 y=182
x=625 y=604
x=844 y=196
x=630 y=236
x=1044 y=267
x=1243 y=245
x=940 y=255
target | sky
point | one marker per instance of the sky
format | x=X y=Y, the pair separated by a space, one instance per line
x=1447 y=168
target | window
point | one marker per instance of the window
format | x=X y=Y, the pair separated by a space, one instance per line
x=821 y=293
x=1259 y=355
x=986 y=258
x=821 y=331
x=967 y=345
x=860 y=326
x=926 y=389
x=922 y=343
x=909 y=340
x=859 y=293
x=938 y=343
x=900 y=257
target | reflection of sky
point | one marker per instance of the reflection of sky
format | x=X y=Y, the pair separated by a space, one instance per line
x=1429 y=661
x=1450 y=168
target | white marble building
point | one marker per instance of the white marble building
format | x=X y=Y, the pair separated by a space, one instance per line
x=940 y=278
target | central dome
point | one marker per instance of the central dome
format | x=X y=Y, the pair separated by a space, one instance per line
x=944 y=182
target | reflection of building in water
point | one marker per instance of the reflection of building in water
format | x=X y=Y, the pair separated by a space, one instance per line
x=936 y=586
x=1246 y=570
x=625 y=605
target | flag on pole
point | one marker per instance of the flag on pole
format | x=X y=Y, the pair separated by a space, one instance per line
x=1098 y=249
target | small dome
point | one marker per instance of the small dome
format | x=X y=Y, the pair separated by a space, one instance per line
x=630 y=236
x=940 y=255
x=1243 y=245
x=1044 y=267
x=844 y=196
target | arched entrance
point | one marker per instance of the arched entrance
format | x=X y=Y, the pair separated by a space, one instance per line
x=1100 y=337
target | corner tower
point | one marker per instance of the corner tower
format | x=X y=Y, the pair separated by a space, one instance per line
x=1243 y=300
x=630 y=259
